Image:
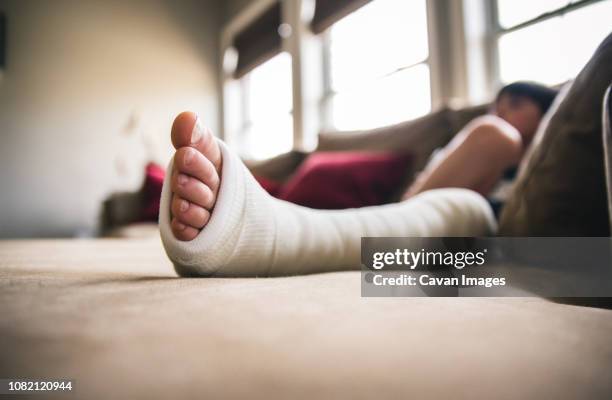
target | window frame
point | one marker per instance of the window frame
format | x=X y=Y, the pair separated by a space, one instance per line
x=246 y=113
x=304 y=140
x=470 y=80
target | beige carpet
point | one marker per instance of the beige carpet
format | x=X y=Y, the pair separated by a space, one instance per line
x=113 y=316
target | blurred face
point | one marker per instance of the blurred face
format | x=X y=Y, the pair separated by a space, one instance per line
x=520 y=112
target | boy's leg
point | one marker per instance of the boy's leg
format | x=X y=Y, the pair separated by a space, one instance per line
x=249 y=233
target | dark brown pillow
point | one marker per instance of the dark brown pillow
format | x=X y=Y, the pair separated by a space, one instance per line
x=561 y=189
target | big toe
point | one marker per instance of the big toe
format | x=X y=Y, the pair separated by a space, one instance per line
x=188 y=131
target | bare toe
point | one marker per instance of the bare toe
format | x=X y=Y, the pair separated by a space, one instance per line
x=182 y=231
x=188 y=213
x=196 y=175
x=193 y=190
x=189 y=161
x=188 y=131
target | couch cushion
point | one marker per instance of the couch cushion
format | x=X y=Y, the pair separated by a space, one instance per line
x=278 y=168
x=420 y=137
x=560 y=190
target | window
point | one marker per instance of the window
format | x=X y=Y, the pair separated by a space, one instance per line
x=258 y=113
x=376 y=62
x=549 y=41
x=378 y=72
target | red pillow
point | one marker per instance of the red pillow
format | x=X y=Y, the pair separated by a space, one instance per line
x=336 y=180
x=154 y=180
x=269 y=185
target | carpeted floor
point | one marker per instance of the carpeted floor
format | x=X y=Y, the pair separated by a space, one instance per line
x=112 y=315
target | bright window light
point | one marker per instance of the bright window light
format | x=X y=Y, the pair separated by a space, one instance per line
x=267 y=95
x=534 y=53
x=556 y=49
x=397 y=97
x=378 y=69
x=584 y=30
x=514 y=12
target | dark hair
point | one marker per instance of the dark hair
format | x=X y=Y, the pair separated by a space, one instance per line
x=542 y=95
